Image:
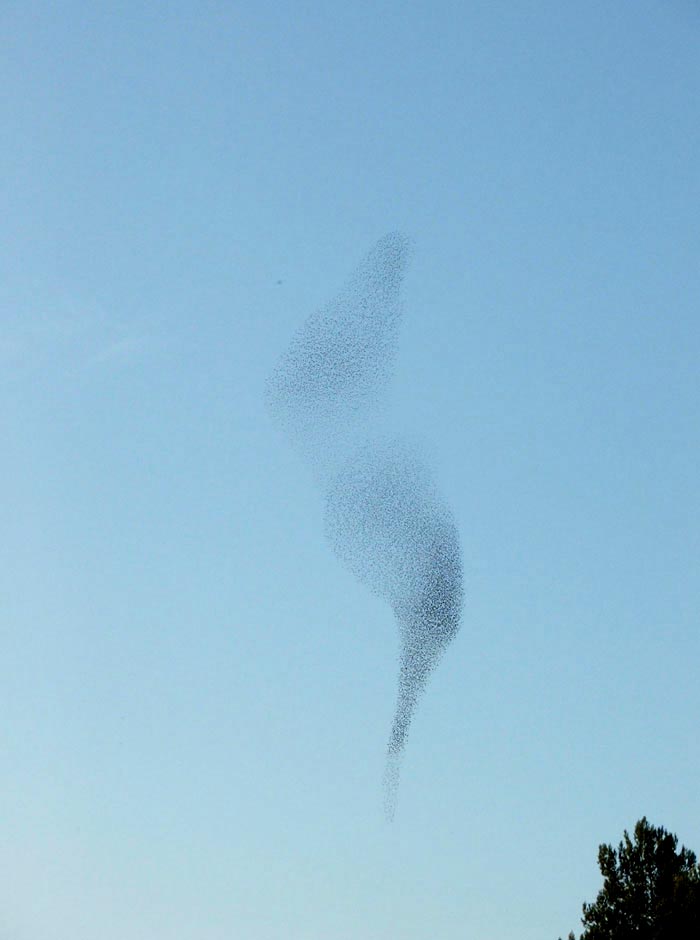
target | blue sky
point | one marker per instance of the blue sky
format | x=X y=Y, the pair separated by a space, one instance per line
x=195 y=696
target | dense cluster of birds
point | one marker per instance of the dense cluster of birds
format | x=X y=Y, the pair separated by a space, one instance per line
x=384 y=517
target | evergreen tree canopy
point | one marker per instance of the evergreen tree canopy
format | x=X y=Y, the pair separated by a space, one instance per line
x=651 y=891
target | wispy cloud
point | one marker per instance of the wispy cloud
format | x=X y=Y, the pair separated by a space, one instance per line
x=123 y=351
x=71 y=341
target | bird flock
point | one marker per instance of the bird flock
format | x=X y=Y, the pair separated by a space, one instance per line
x=384 y=517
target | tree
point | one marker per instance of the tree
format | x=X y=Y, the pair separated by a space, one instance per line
x=650 y=890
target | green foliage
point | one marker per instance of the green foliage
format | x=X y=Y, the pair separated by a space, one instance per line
x=651 y=891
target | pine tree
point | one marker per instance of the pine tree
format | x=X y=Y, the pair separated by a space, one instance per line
x=651 y=891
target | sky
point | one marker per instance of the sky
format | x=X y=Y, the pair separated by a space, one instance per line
x=195 y=696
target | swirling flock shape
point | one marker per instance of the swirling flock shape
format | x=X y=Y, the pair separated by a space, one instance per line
x=384 y=516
